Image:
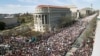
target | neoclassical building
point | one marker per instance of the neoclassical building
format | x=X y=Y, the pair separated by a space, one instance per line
x=47 y=17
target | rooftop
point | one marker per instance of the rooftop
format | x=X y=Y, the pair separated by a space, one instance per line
x=2 y=16
x=87 y=8
x=71 y=6
x=50 y=6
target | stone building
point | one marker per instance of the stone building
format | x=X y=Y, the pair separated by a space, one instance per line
x=47 y=17
x=74 y=11
x=86 y=12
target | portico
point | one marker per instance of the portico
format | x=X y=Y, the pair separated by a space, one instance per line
x=40 y=22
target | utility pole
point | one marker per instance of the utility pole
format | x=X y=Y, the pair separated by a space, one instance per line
x=91 y=6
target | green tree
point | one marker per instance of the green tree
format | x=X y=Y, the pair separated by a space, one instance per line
x=24 y=18
x=2 y=25
x=65 y=21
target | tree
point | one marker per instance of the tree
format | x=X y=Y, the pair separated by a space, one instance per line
x=2 y=25
x=24 y=18
x=65 y=21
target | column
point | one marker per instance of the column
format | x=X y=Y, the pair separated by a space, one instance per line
x=35 y=17
x=38 y=21
x=41 y=19
x=44 y=19
x=49 y=17
x=35 y=22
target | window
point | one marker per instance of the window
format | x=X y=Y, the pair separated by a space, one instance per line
x=42 y=19
x=46 y=20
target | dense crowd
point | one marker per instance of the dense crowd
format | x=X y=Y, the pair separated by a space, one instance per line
x=85 y=49
x=59 y=44
x=55 y=45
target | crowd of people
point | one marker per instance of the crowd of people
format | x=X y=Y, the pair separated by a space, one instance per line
x=55 y=45
x=50 y=44
x=85 y=49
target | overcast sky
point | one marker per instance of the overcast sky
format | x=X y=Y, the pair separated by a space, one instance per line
x=22 y=6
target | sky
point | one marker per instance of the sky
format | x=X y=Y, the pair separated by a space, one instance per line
x=23 y=6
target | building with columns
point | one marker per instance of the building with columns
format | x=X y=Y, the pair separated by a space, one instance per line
x=48 y=17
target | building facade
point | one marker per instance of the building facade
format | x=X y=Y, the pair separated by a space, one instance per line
x=47 y=17
x=86 y=12
x=74 y=11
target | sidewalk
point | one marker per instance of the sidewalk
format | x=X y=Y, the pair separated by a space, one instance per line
x=96 y=46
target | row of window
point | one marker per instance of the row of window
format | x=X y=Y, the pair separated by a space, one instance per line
x=40 y=28
x=52 y=10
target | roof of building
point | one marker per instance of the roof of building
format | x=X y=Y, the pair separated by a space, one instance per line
x=4 y=16
x=9 y=16
x=87 y=8
x=51 y=6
